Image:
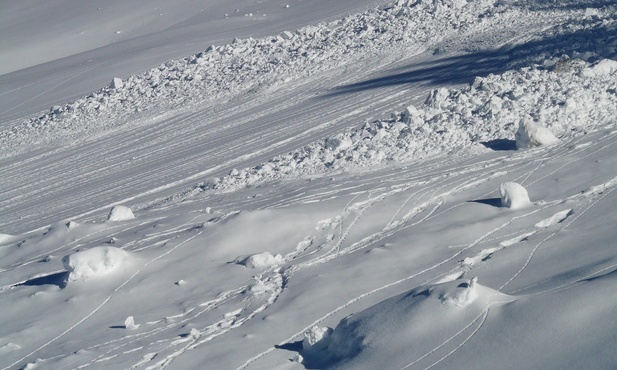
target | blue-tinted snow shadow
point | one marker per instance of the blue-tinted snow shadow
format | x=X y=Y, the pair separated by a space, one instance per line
x=500 y=144
x=58 y=279
x=494 y=202
x=600 y=39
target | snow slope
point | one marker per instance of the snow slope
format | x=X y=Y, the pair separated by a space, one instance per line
x=329 y=197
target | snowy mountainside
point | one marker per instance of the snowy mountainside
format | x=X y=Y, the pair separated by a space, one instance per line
x=339 y=206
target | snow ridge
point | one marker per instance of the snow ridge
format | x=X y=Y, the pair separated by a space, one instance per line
x=251 y=65
x=475 y=119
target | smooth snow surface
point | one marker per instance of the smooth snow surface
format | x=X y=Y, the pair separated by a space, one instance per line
x=317 y=184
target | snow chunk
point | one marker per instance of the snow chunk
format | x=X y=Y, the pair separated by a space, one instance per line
x=129 y=323
x=286 y=35
x=259 y=260
x=117 y=83
x=95 y=262
x=513 y=195
x=338 y=144
x=316 y=338
x=530 y=134
x=120 y=213
x=603 y=68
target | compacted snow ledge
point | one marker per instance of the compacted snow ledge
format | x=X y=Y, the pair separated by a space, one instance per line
x=484 y=116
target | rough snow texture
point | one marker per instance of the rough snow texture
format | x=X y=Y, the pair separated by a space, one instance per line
x=513 y=195
x=530 y=135
x=95 y=262
x=462 y=121
x=120 y=213
x=254 y=64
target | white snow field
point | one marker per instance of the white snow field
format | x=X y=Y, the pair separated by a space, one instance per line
x=347 y=185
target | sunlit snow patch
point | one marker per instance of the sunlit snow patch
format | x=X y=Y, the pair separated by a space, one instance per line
x=95 y=262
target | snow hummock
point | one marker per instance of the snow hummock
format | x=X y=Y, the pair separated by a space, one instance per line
x=455 y=121
x=513 y=195
x=415 y=321
x=464 y=294
x=120 y=213
x=259 y=260
x=530 y=134
x=95 y=262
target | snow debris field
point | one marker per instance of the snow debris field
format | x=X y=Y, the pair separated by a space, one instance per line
x=410 y=184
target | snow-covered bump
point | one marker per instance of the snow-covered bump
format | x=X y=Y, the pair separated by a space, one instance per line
x=514 y=195
x=120 y=213
x=95 y=262
x=462 y=296
x=259 y=260
x=530 y=134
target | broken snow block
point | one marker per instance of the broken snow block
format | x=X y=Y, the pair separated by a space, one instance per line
x=286 y=35
x=530 y=134
x=120 y=213
x=117 y=83
x=513 y=195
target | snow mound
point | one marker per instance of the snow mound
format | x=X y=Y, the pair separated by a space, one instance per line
x=95 y=262
x=120 y=213
x=513 y=195
x=531 y=135
x=463 y=295
x=416 y=321
x=259 y=260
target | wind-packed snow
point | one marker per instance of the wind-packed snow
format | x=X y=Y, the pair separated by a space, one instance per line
x=410 y=185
